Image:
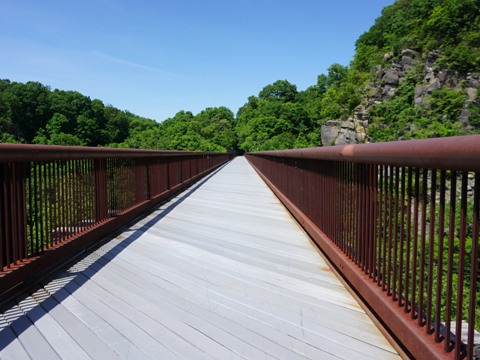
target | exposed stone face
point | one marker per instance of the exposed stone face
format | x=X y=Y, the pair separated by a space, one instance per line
x=385 y=84
x=391 y=77
x=409 y=59
x=346 y=136
x=419 y=92
x=430 y=61
x=330 y=131
x=472 y=84
x=438 y=78
x=473 y=80
x=341 y=132
x=387 y=57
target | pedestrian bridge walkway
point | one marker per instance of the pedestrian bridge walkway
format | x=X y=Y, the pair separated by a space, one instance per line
x=220 y=272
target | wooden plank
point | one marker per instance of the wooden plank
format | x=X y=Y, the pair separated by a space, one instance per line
x=168 y=289
x=186 y=269
x=28 y=336
x=261 y=294
x=213 y=303
x=83 y=335
x=54 y=333
x=274 y=313
x=149 y=304
x=156 y=330
x=199 y=331
x=232 y=274
x=10 y=346
x=112 y=337
x=138 y=337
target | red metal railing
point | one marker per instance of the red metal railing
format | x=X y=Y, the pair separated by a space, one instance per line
x=400 y=222
x=56 y=201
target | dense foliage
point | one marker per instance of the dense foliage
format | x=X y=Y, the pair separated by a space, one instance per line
x=281 y=116
x=210 y=130
x=451 y=26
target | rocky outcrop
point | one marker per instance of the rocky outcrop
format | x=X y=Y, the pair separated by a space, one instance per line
x=354 y=129
x=434 y=79
x=386 y=82
x=338 y=132
x=343 y=132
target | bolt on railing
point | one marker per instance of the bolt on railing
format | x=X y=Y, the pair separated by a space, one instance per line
x=400 y=221
x=55 y=201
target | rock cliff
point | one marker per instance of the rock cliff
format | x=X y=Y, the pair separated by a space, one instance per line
x=386 y=82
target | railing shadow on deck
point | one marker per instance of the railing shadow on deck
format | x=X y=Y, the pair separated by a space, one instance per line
x=400 y=222
x=71 y=278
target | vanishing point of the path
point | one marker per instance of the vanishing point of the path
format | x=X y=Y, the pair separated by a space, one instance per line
x=220 y=272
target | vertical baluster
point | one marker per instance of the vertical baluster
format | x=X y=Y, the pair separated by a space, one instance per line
x=441 y=236
x=48 y=202
x=473 y=266
x=372 y=223
x=409 y=239
x=101 y=189
x=423 y=236
x=385 y=229
x=353 y=206
x=451 y=250
x=395 y=262
x=358 y=212
x=41 y=199
x=415 y=310
x=344 y=206
x=35 y=208
x=3 y=218
x=401 y=273
x=390 y=229
x=380 y=223
x=461 y=266
x=31 y=213
x=431 y=248
x=22 y=209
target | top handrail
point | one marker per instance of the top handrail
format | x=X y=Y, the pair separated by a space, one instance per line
x=29 y=152
x=453 y=153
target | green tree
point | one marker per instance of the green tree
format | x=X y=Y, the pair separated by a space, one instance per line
x=117 y=125
x=71 y=104
x=88 y=131
x=280 y=90
x=29 y=108
x=58 y=124
x=65 y=139
x=256 y=134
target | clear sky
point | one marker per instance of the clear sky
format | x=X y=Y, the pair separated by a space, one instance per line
x=155 y=58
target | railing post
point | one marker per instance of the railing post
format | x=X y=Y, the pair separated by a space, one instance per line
x=148 y=163
x=142 y=189
x=366 y=216
x=396 y=255
x=372 y=179
x=101 y=201
x=13 y=220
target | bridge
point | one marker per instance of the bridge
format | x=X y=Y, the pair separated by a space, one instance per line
x=366 y=251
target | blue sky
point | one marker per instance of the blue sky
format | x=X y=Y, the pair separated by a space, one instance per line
x=155 y=58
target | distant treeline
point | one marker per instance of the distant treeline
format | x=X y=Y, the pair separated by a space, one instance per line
x=33 y=113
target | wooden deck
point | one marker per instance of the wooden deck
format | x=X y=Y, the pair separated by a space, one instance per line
x=221 y=271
